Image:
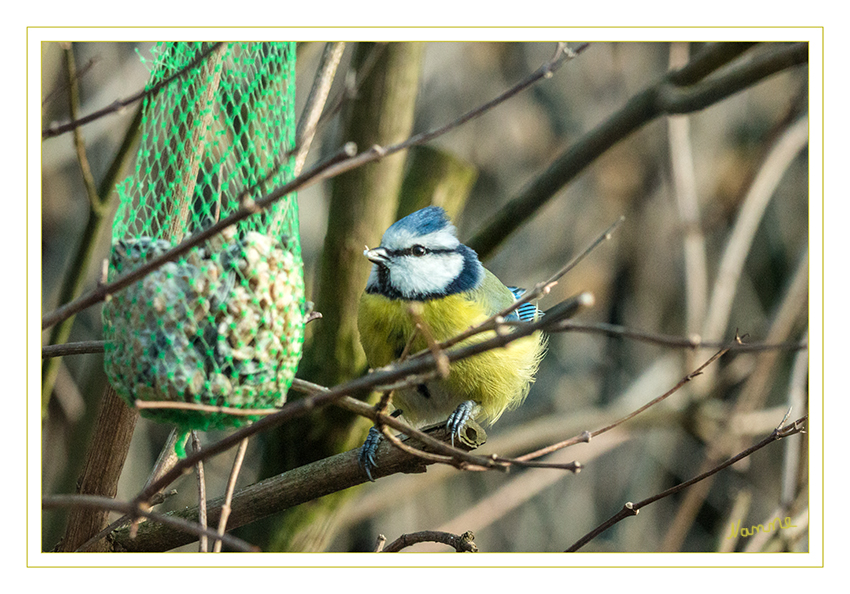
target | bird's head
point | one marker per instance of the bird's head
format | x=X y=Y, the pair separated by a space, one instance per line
x=420 y=258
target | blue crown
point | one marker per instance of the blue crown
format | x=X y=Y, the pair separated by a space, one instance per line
x=424 y=221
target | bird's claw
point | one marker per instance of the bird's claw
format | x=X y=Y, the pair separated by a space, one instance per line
x=458 y=419
x=367 y=453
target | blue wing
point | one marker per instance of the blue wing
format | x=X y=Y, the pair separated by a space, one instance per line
x=525 y=313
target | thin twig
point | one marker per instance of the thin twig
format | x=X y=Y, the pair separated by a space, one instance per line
x=462 y=543
x=107 y=503
x=586 y=436
x=123 y=520
x=632 y=509
x=203 y=408
x=228 y=496
x=118 y=105
x=422 y=327
x=202 y=494
x=89 y=347
x=693 y=342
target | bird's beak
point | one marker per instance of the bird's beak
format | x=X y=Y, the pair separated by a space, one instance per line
x=378 y=255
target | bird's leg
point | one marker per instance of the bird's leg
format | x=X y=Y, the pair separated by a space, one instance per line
x=370 y=447
x=457 y=421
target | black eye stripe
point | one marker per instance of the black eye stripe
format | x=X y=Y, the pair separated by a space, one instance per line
x=416 y=251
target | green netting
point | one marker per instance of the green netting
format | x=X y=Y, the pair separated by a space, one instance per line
x=223 y=324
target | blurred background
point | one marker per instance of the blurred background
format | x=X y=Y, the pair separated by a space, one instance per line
x=706 y=194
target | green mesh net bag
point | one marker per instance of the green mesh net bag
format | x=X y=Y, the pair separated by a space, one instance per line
x=223 y=324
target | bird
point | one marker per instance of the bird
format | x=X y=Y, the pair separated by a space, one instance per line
x=420 y=260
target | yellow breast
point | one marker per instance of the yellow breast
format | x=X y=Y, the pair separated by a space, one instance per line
x=497 y=380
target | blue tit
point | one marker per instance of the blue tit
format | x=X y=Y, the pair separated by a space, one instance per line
x=421 y=260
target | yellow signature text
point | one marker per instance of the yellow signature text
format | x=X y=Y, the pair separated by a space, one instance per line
x=776 y=524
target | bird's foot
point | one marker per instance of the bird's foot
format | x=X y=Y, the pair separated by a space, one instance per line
x=457 y=421
x=367 y=452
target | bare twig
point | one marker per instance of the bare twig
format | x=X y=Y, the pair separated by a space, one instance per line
x=586 y=436
x=692 y=342
x=203 y=408
x=462 y=543
x=202 y=494
x=90 y=347
x=123 y=520
x=107 y=503
x=118 y=105
x=632 y=509
x=228 y=496
x=562 y=55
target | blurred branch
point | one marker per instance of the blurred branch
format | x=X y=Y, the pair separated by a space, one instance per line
x=119 y=104
x=632 y=509
x=797 y=396
x=770 y=173
x=667 y=96
x=98 y=200
x=685 y=189
x=309 y=121
x=103 y=463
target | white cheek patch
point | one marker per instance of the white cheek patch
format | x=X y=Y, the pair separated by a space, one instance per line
x=427 y=274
